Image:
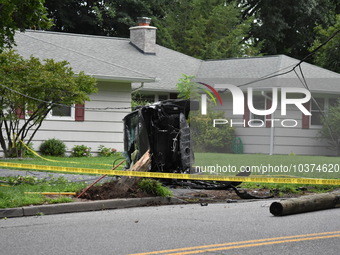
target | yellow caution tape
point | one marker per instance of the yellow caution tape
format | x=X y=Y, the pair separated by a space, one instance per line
x=175 y=176
x=53 y=193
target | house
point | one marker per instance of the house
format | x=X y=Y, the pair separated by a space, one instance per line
x=120 y=66
x=291 y=133
x=125 y=66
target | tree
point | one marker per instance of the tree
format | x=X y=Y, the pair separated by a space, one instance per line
x=287 y=26
x=331 y=127
x=203 y=29
x=101 y=17
x=204 y=136
x=20 y=15
x=29 y=90
x=328 y=56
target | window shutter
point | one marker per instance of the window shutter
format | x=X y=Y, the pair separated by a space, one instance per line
x=79 y=112
x=269 y=116
x=246 y=115
x=20 y=113
x=306 y=118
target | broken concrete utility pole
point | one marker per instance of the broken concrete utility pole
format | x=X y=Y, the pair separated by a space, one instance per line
x=305 y=204
x=142 y=165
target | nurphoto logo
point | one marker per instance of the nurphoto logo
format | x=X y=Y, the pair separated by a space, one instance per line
x=238 y=105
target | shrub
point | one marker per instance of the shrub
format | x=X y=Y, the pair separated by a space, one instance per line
x=154 y=187
x=81 y=151
x=206 y=137
x=106 y=152
x=53 y=147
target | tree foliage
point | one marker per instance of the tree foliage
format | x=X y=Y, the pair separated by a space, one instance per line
x=204 y=136
x=100 y=17
x=331 y=127
x=20 y=15
x=328 y=56
x=204 y=29
x=31 y=89
x=287 y=26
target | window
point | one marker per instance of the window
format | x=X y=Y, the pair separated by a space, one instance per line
x=150 y=98
x=259 y=103
x=62 y=113
x=162 y=97
x=317 y=110
x=320 y=108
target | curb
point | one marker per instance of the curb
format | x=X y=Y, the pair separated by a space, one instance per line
x=87 y=206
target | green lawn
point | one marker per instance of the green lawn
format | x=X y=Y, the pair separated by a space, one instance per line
x=106 y=163
x=228 y=164
x=13 y=195
x=13 y=190
x=294 y=165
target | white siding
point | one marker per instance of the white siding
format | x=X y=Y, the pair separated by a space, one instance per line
x=286 y=140
x=101 y=126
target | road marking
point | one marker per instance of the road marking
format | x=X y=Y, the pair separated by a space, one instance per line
x=245 y=244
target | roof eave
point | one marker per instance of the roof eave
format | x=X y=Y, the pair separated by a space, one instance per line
x=123 y=79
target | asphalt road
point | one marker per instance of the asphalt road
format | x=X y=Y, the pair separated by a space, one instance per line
x=237 y=228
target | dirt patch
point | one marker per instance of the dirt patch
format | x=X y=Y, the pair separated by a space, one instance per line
x=197 y=196
x=109 y=190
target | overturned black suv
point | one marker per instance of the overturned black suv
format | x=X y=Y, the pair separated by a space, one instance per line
x=163 y=129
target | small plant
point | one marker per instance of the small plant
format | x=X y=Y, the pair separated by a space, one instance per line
x=53 y=147
x=106 y=152
x=81 y=151
x=154 y=187
x=28 y=152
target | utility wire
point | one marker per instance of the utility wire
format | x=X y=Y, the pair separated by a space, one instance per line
x=265 y=77
x=63 y=105
x=89 y=56
x=275 y=74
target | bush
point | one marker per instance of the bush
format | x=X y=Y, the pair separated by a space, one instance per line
x=53 y=147
x=106 y=152
x=206 y=137
x=81 y=151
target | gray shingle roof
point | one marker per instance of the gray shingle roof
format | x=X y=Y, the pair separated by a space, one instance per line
x=244 y=71
x=109 y=57
x=117 y=59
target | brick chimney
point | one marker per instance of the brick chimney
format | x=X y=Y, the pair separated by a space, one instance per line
x=143 y=36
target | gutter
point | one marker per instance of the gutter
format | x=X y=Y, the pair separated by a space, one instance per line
x=123 y=79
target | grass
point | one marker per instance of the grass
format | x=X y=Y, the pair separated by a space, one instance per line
x=12 y=191
x=81 y=162
x=299 y=168
x=294 y=165
x=152 y=186
x=12 y=194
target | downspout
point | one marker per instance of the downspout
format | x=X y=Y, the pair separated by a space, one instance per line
x=271 y=144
